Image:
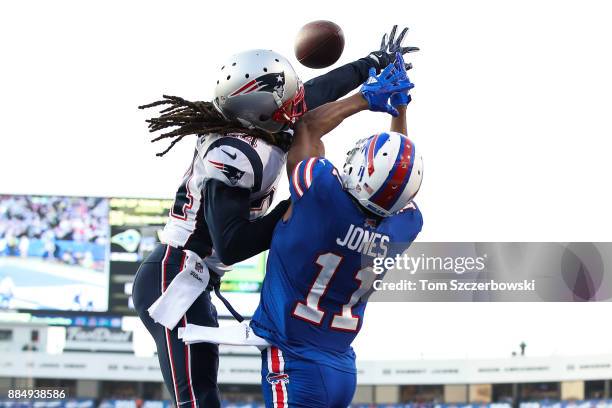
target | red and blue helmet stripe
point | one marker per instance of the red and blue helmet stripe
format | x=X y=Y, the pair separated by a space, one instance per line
x=374 y=145
x=390 y=191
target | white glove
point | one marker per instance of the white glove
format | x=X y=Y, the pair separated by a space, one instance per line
x=184 y=289
x=236 y=335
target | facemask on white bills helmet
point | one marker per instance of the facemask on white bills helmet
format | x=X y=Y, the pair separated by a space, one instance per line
x=383 y=172
x=260 y=89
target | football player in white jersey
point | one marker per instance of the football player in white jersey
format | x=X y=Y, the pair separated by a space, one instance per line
x=218 y=216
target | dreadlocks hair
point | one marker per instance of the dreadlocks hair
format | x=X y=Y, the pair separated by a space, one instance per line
x=185 y=118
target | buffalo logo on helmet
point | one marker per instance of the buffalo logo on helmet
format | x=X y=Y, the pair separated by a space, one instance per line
x=277 y=378
x=273 y=82
x=199 y=268
x=230 y=172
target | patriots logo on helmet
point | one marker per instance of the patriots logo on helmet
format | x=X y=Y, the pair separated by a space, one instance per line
x=277 y=378
x=232 y=173
x=273 y=82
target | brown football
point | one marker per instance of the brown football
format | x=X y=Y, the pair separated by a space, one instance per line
x=319 y=44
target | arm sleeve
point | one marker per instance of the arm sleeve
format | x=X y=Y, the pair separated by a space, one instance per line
x=336 y=83
x=234 y=237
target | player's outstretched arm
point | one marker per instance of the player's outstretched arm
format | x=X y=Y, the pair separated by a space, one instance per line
x=317 y=123
x=374 y=96
x=398 y=123
x=400 y=101
x=337 y=83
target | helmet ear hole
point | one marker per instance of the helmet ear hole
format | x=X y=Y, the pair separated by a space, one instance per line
x=264 y=118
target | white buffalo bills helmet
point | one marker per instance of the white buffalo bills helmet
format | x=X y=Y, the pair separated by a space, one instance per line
x=383 y=172
x=260 y=89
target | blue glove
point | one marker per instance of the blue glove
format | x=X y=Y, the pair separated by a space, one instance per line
x=378 y=89
x=400 y=99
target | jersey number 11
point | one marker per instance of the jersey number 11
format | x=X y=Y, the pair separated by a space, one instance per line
x=309 y=309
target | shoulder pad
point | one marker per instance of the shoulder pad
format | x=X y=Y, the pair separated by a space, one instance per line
x=234 y=162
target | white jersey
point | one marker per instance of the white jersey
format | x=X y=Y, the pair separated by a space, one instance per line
x=238 y=161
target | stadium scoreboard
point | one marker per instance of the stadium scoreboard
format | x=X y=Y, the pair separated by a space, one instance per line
x=83 y=252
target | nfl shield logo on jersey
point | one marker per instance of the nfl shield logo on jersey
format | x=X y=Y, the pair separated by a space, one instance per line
x=277 y=378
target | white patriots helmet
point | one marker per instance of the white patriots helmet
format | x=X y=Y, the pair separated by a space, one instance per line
x=260 y=89
x=383 y=172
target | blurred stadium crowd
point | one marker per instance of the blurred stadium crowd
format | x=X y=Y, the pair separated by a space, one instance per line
x=72 y=230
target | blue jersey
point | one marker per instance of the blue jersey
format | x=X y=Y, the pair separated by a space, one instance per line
x=317 y=280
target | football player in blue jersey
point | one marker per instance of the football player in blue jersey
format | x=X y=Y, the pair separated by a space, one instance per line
x=319 y=270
